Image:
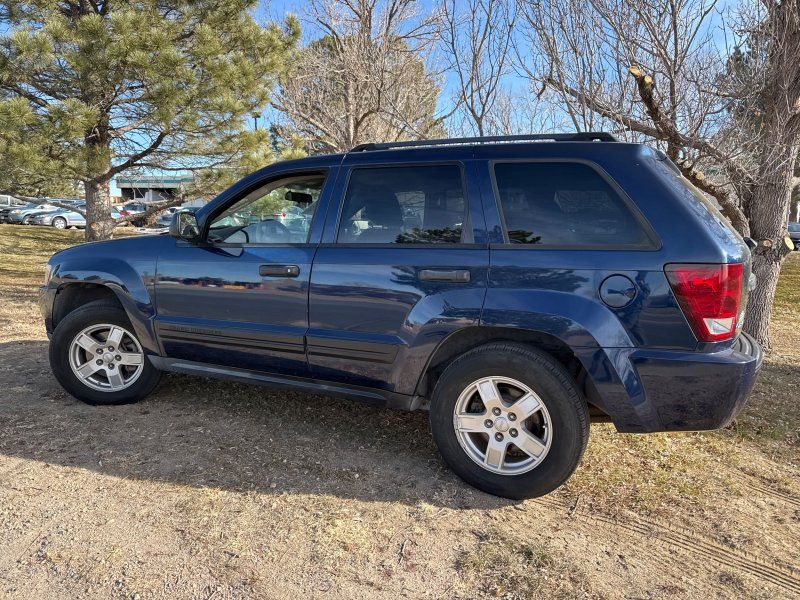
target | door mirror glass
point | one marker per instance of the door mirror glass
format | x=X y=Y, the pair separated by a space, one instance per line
x=184 y=226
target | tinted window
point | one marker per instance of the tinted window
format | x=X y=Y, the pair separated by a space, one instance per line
x=563 y=204
x=403 y=205
x=279 y=212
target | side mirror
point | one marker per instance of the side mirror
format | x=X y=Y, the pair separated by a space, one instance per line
x=184 y=226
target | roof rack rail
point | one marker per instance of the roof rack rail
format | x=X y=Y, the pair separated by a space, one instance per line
x=582 y=136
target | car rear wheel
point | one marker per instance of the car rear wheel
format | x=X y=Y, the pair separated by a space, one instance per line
x=96 y=356
x=509 y=420
x=60 y=223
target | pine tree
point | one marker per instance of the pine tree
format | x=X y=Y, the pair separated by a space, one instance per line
x=100 y=87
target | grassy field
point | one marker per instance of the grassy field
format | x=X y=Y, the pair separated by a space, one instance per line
x=211 y=489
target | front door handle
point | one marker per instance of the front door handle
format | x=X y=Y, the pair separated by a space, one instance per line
x=454 y=275
x=279 y=270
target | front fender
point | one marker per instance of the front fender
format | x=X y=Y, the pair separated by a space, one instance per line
x=130 y=281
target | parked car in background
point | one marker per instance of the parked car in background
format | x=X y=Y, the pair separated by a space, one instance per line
x=794 y=234
x=10 y=202
x=133 y=208
x=165 y=218
x=4 y=210
x=63 y=218
x=23 y=215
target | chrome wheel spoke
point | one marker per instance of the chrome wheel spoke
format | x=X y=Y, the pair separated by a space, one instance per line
x=490 y=395
x=530 y=444
x=495 y=453
x=115 y=337
x=130 y=358
x=115 y=379
x=471 y=423
x=526 y=406
x=88 y=343
x=88 y=369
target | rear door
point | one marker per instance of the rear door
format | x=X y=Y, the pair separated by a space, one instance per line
x=403 y=263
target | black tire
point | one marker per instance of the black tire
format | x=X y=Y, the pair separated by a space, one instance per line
x=550 y=381
x=100 y=311
x=60 y=221
x=26 y=221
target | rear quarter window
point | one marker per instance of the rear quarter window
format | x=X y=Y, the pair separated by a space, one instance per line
x=566 y=204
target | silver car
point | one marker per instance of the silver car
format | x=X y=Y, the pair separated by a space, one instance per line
x=24 y=214
x=60 y=219
x=63 y=218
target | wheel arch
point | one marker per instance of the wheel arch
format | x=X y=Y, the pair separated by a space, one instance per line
x=464 y=340
x=71 y=295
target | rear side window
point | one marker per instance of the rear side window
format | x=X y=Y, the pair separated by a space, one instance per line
x=403 y=205
x=563 y=204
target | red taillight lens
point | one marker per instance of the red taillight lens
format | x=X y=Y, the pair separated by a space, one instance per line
x=710 y=296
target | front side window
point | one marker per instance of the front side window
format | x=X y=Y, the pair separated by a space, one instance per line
x=279 y=212
x=403 y=205
x=563 y=204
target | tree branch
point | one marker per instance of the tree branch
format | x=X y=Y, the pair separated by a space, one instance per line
x=134 y=158
x=730 y=207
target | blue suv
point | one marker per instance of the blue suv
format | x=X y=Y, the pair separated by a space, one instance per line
x=515 y=287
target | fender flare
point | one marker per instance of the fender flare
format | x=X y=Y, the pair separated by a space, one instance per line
x=125 y=283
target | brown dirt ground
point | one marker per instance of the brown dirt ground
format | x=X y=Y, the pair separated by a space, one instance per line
x=218 y=490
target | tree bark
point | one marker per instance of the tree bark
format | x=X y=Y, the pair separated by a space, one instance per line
x=99 y=224
x=767 y=210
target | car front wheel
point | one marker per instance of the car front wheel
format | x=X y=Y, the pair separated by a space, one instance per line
x=509 y=420
x=96 y=356
x=60 y=223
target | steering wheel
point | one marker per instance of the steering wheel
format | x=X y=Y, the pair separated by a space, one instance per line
x=270 y=231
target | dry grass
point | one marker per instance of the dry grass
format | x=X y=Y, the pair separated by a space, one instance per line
x=212 y=489
x=517 y=567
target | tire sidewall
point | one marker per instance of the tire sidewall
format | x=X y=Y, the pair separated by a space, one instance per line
x=555 y=389
x=59 y=220
x=61 y=341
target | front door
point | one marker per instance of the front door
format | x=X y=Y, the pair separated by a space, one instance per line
x=239 y=298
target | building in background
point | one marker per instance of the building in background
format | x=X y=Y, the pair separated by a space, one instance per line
x=150 y=188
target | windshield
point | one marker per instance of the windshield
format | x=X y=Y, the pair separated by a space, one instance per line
x=794 y=227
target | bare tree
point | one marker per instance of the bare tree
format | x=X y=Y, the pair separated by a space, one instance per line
x=475 y=36
x=652 y=70
x=365 y=79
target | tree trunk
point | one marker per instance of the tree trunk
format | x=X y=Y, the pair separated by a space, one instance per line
x=99 y=225
x=768 y=209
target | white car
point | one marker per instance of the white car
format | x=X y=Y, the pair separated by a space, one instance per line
x=25 y=214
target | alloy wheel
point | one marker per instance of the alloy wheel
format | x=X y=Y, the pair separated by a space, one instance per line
x=503 y=425
x=106 y=357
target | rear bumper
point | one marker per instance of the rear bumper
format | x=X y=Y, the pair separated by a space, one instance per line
x=661 y=390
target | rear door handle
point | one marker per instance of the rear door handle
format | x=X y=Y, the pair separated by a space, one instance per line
x=279 y=270
x=454 y=275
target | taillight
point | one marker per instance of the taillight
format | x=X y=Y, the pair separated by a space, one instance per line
x=710 y=296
